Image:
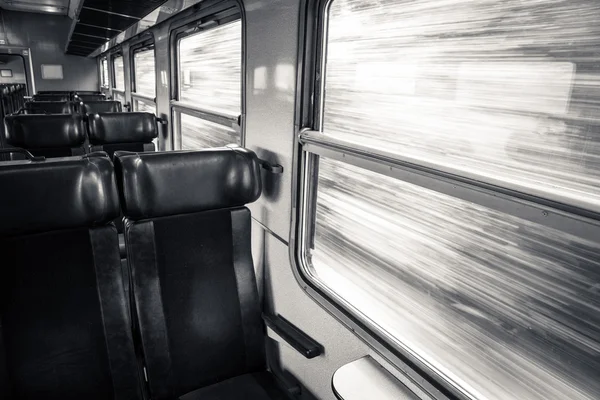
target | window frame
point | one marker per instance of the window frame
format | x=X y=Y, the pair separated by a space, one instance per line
x=211 y=14
x=113 y=57
x=311 y=144
x=105 y=80
x=145 y=45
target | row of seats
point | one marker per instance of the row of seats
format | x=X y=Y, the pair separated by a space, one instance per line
x=72 y=107
x=69 y=96
x=192 y=328
x=12 y=98
x=63 y=135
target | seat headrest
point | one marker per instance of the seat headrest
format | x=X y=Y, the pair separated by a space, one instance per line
x=102 y=106
x=51 y=97
x=57 y=194
x=130 y=127
x=49 y=107
x=90 y=97
x=45 y=131
x=180 y=182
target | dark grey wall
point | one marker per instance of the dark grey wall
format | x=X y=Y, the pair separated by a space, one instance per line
x=46 y=36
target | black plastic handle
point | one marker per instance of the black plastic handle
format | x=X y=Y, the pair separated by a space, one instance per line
x=272 y=168
x=161 y=120
x=299 y=340
x=22 y=151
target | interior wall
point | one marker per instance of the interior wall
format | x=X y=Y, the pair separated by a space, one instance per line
x=271 y=73
x=46 y=36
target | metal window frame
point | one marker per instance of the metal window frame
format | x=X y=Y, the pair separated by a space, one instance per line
x=145 y=45
x=581 y=219
x=103 y=77
x=113 y=58
x=212 y=14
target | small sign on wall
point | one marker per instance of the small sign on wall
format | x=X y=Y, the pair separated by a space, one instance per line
x=52 y=71
x=6 y=73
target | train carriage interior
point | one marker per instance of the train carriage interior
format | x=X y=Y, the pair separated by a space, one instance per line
x=300 y=199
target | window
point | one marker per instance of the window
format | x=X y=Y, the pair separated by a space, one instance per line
x=119 y=97
x=212 y=63
x=104 y=77
x=197 y=133
x=210 y=87
x=446 y=119
x=461 y=95
x=144 y=72
x=119 y=70
x=144 y=106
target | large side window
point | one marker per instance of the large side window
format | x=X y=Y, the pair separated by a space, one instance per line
x=119 y=74
x=144 y=77
x=209 y=93
x=451 y=198
x=105 y=80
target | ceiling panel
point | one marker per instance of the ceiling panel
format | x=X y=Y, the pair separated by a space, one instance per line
x=94 y=31
x=126 y=7
x=101 y=20
x=58 y=7
x=106 y=20
x=98 y=41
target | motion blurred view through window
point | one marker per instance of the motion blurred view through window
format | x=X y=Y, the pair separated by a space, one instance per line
x=119 y=69
x=210 y=74
x=504 y=92
x=104 y=76
x=145 y=73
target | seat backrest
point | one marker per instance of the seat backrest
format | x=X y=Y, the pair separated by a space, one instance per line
x=50 y=107
x=55 y=92
x=65 y=328
x=50 y=135
x=188 y=247
x=133 y=131
x=101 y=106
x=52 y=97
x=90 y=97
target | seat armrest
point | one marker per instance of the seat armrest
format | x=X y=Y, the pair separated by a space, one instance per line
x=299 y=340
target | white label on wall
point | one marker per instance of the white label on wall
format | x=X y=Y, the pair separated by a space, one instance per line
x=52 y=71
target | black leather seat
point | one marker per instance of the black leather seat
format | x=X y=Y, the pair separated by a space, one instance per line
x=90 y=97
x=64 y=322
x=50 y=107
x=78 y=92
x=52 y=135
x=188 y=245
x=132 y=131
x=54 y=92
x=101 y=106
x=52 y=97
